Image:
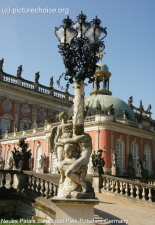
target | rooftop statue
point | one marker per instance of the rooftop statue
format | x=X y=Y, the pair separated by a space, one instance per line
x=19 y=71
x=1 y=64
x=51 y=82
x=37 y=76
x=149 y=108
x=130 y=101
x=66 y=88
x=111 y=110
x=141 y=106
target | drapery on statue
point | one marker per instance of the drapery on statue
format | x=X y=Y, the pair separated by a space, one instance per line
x=1 y=64
x=98 y=162
x=10 y=163
x=114 y=159
x=73 y=153
x=21 y=158
x=19 y=71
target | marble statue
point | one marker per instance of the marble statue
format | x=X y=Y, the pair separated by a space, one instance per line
x=37 y=76
x=10 y=163
x=19 y=71
x=1 y=64
x=114 y=159
x=98 y=162
x=111 y=110
x=21 y=158
x=149 y=108
x=66 y=88
x=139 y=167
x=73 y=150
x=43 y=161
x=51 y=82
x=130 y=101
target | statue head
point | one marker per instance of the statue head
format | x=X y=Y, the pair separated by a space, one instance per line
x=63 y=115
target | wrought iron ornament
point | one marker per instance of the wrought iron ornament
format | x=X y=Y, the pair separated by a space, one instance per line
x=80 y=46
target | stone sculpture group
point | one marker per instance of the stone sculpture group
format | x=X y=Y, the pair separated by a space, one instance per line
x=73 y=148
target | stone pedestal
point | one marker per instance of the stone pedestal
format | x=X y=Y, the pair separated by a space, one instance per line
x=97 y=183
x=114 y=171
x=74 y=211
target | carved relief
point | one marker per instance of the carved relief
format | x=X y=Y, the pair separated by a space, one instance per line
x=25 y=109
x=7 y=105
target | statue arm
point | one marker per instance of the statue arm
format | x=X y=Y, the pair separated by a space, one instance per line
x=73 y=140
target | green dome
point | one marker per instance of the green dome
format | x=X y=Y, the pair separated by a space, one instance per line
x=103 y=66
x=106 y=101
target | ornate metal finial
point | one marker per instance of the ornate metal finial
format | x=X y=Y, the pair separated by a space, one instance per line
x=101 y=55
x=67 y=22
x=81 y=17
x=96 y=21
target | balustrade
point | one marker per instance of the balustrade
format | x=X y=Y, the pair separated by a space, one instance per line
x=129 y=188
x=34 y=183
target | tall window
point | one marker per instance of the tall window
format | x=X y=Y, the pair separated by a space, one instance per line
x=5 y=123
x=38 y=157
x=119 y=153
x=147 y=158
x=25 y=124
x=134 y=155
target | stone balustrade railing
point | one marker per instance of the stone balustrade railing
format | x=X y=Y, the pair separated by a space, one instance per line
x=7 y=179
x=128 y=188
x=146 y=180
x=18 y=180
x=35 y=86
x=41 y=185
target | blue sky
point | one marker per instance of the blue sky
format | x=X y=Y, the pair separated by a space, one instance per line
x=29 y=39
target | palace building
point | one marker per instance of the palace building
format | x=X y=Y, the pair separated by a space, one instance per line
x=28 y=109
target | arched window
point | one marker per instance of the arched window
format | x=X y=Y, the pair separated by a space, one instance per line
x=25 y=124
x=54 y=163
x=119 y=153
x=147 y=158
x=38 y=157
x=134 y=155
x=5 y=123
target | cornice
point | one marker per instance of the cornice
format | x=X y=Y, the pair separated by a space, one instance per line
x=117 y=127
x=32 y=94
